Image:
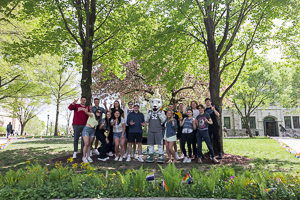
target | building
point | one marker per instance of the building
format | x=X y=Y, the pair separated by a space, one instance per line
x=264 y=121
x=5 y=119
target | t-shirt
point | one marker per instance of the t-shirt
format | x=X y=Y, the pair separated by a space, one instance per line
x=117 y=128
x=188 y=125
x=195 y=113
x=107 y=125
x=80 y=118
x=154 y=123
x=92 y=121
x=202 y=125
x=126 y=112
x=213 y=116
x=113 y=110
x=94 y=108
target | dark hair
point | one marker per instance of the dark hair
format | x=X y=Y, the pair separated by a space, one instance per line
x=207 y=99
x=83 y=97
x=119 y=118
x=195 y=103
x=96 y=99
x=189 y=110
x=130 y=102
x=108 y=127
x=97 y=117
x=171 y=104
x=180 y=103
x=200 y=105
x=118 y=105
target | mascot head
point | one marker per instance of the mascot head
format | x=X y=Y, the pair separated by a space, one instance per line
x=155 y=102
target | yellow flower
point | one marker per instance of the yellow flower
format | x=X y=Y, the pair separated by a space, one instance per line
x=254 y=196
x=113 y=174
x=297 y=172
x=70 y=160
x=28 y=161
x=157 y=188
x=135 y=189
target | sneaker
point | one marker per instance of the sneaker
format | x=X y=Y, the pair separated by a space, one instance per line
x=188 y=160
x=89 y=159
x=128 y=159
x=107 y=158
x=160 y=159
x=215 y=160
x=121 y=159
x=150 y=158
x=181 y=156
x=199 y=160
x=210 y=158
x=102 y=159
x=110 y=154
x=220 y=156
x=125 y=155
x=135 y=157
x=140 y=159
x=75 y=155
x=177 y=158
x=96 y=152
x=116 y=158
x=85 y=160
x=91 y=153
x=184 y=160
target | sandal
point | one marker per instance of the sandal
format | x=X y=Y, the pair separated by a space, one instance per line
x=170 y=161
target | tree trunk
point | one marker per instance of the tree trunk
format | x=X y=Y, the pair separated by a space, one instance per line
x=86 y=79
x=248 y=127
x=57 y=115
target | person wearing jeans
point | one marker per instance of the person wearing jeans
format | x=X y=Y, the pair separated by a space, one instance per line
x=79 y=120
x=203 y=120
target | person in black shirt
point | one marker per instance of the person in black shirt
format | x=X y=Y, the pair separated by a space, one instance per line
x=214 y=128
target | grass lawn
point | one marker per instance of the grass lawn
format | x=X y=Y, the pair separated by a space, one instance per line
x=266 y=152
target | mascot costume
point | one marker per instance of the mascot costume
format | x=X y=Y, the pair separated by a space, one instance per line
x=155 y=117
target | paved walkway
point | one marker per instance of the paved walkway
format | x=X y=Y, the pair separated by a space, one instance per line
x=147 y=198
x=291 y=142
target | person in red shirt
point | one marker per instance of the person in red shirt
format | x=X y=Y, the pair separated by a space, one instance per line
x=79 y=120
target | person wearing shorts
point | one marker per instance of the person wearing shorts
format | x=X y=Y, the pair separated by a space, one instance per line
x=170 y=135
x=119 y=128
x=136 y=121
x=88 y=134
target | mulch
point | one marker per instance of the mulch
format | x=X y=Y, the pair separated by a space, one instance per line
x=227 y=159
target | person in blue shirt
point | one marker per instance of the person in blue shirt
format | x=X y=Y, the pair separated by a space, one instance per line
x=170 y=135
x=9 y=129
x=136 y=121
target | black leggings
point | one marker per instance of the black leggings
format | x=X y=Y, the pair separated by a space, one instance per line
x=111 y=147
x=187 y=137
x=215 y=137
x=194 y=143
x=104 y=147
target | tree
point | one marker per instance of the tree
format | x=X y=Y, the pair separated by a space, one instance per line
x=133 y=84
x=260 y=84
x=60 y=79
x=99 y=30
x=35 y=126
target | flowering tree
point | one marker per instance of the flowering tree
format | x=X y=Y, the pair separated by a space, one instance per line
x=133 y=84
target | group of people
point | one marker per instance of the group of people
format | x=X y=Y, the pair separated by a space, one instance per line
x=121 y=130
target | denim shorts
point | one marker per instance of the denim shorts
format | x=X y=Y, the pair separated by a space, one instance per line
x=88 y=131
x=118 y=135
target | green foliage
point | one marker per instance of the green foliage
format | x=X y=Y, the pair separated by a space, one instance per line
x=125 y=181
x=35 y=126
x=172 y=177
x=139 y=179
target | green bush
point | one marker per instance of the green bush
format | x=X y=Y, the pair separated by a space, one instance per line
x=36 y=182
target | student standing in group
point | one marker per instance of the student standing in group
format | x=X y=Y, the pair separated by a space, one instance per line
x=188 y=126
x=94 y=108
x=194 y=106
x=119 y=127
x=116 y=108
x=203 y=120
x=136 y=121
x=170 y=137
x=126 y=112
x=105 y=126
x=214 y=128
x=79 y=120
x=88 y=133
x=183 y=115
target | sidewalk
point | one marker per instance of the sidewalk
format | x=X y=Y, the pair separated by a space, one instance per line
x=147 y=198
x=291 y=142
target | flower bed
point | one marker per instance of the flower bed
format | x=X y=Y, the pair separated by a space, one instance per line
x=38 y=182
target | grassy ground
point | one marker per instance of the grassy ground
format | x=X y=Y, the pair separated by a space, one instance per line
x=266 y=152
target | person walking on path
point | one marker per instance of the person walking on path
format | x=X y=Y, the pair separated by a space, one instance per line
x=79 y=120
x=88 y=134
x=214 y=128
x=136 y=121
x=203 y=120
x=9 y=129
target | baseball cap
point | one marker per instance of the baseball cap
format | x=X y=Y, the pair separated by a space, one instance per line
x=137 y=104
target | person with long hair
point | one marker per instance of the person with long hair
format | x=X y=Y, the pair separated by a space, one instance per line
x=188 y=126
x=170 y=135
x=119 y=128
x=203 y=120
x=88 y=134
x=104 y=127
x=115 y=108
x=194 y=106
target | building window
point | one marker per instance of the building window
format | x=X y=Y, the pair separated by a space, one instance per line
x=251 y=122
x=287 y=122
x=296 y=122
x=227 y=122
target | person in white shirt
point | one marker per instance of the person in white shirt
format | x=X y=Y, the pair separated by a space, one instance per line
x=119 y=134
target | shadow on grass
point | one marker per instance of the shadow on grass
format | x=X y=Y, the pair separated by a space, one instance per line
x=44 y=141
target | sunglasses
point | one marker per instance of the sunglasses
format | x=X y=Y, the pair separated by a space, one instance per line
x=98 y=112
x=130 y=104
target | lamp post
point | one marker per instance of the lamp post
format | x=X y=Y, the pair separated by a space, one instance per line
x=51 y=128
x=47 y=124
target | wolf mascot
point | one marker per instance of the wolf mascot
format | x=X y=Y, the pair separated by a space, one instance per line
x=155 y=117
